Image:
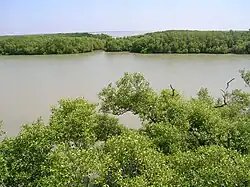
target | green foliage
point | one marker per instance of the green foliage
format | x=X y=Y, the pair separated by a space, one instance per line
x=237 y=106
x=2 y=132
x=73 y=167
x=237 y=136
x=201 y=141
x=170 y=107
x=245 y=75
x=23 y=156
x=84 y=34
x=175 y=123
x=73 y=122
x=184 y=42
x=3 y=170
x=134 y=156
x=203 y=95
x=107 y=127
x=46 y=44
x=113 y=45
x=209 y=166
x=129 y=94
x=166 y=137
x=205 y=124
x=179 y=41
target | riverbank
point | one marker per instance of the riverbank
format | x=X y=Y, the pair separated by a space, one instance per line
x=165 y=42
x=91 y=53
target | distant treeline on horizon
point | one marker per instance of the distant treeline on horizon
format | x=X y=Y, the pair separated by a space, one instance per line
x=170 y=41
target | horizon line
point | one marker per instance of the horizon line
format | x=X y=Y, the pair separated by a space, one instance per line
x=120 y=31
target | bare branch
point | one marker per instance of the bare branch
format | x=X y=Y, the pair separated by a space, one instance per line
x=219 y=106
x=153 y=120
x=224 y=99
x=224 y=95
x=120 y=112
x=222 y=91
x=173 y=90
x=228 y=83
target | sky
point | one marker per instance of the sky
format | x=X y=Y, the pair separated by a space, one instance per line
x=53 y=16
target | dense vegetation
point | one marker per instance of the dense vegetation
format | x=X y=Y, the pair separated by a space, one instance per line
x=216 y=42
x=200 y=141
x=84 y=34
x=219 y=42
x=52 y=44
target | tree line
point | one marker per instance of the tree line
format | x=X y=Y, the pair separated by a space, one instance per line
x=51 y=44
x=181 y=42
x=201 y=141
x=216 y=42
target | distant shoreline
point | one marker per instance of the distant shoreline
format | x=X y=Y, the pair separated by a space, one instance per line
x=127 y=53
x=160 y=42
x=127 y=31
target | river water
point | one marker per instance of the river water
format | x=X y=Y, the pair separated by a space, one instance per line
x=31 y=84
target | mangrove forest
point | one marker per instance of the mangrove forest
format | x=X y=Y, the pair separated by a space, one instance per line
x=171 y=41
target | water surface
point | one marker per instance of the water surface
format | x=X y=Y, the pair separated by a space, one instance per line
x=31 y=84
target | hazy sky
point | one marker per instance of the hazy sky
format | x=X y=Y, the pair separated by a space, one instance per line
x=47 y=16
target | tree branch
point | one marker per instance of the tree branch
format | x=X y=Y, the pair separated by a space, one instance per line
x=173 y=90
x=224 y=94
x=153 y=120
x=228 y=83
